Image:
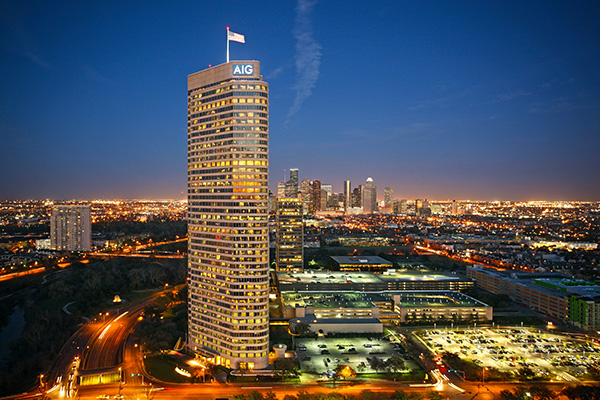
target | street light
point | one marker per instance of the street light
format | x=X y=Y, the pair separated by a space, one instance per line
x=120 y=382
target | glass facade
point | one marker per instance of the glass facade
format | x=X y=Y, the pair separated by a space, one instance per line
x=228 y=254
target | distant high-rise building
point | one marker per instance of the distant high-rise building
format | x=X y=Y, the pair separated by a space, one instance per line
x=400 y=206
x=357 y=197
x=323 y=197
x=347 y=195
x=418 y=206
x=305 y=195
x=291 y=186
x=281 y=189
x=290 y=235
x=369 y=197
x=454 y=208
x=294 y=177
x=424 y=209
x=228 y=233
x=315 y=196
x=335 y=202
x=388 y=196
x=71 y=228
x=272 y=203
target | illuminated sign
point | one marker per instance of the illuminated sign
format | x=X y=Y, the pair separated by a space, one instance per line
x=243 y=69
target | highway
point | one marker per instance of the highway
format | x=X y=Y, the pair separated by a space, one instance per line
x=97 y=347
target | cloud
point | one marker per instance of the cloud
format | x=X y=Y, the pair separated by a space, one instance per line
x=441 y=102
x=308 y=56
x=274 y=74
x=513 y=95
x=94 y=76
x=37 y=59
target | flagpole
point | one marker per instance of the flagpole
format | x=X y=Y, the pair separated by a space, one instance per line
x=227 y=44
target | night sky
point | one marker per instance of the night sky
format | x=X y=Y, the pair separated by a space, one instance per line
x=488 y=100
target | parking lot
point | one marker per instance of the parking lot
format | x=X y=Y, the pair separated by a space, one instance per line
x=324 y=354
x=554 y=355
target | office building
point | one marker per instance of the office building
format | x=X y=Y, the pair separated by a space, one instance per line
x=369 y=197
x=400 y=206
x=291 y=186
x=315 y=196
x=290 y=235
x=388 y=196
x=347 y=196
x=228 y=256
x=71 y=228
x=305 y=195
x=281 y=186
x=357 y=197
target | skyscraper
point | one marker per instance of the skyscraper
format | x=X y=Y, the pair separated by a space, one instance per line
x=290 y=235
x=369 y=197
x=291 y=186
x=388 y=196
x=347 y=195
x=71 y=228
x=281 y=189
x=306 y=195
x=228 y=257
x=315 y=196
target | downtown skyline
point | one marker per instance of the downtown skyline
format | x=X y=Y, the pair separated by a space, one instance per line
x=495 y=101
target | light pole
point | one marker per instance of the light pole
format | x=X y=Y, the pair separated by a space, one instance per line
x=483 y=376
x=120 y=382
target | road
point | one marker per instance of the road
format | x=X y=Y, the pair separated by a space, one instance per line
x=99 y=346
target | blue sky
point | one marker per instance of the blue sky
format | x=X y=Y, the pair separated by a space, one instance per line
x=441 y=100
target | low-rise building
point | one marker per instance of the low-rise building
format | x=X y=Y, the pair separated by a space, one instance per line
x=363 y=311
x=360 y=263
x=366 y=281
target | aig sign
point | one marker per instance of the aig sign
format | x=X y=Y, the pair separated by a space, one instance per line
x=243 y=69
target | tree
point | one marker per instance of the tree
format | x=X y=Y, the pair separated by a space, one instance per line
x=367 y=394
x=434 y=396
x=514 y=394
x=285 y=368
x=243 y=367
x=402 y=395
x=581 y=392
x=376 y=363
x=345 y=371
x=302 y=329
x=526 y=373
x=361 y=367
x=254 y=395
x=541 y=393
x=395 y=364
x=213 y=370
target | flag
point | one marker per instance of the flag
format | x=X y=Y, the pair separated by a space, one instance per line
x=236 y=37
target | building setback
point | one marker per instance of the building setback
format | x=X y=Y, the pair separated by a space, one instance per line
x=71 y=228
x=228 y=150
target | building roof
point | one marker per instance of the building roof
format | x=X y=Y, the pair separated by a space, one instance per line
x=360 y=260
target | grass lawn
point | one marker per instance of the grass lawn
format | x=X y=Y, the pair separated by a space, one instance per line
x=404 y=376
x=162 y=367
